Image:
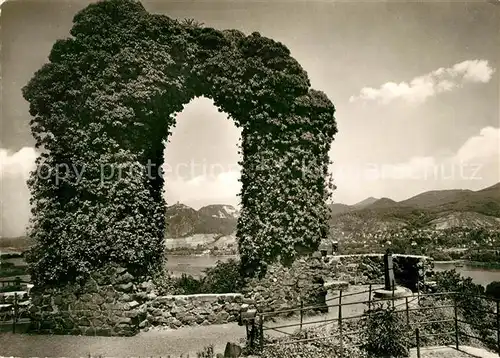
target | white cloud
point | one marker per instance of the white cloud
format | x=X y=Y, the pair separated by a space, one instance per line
x=428 y=85
x=14 y=193
x=475 y=165
x=484 y=145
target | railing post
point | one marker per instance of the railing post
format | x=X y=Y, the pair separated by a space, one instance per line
x=456 y=321
x=261 y=332
x=370 y=299
x=498 y=326
x=392 y=296
x=340 y=326
x=407 y=311
x=417 y=337
x=14 y=316
x=301 y=313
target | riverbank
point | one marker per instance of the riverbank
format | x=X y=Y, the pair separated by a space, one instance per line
x=473 y=264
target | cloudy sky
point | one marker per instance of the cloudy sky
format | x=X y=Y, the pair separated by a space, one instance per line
x=416 y=87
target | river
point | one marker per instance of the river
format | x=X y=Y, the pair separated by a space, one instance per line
x=479 y=275
x=195 y=265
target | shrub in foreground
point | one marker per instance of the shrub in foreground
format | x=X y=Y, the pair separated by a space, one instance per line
x=493 y=289
x=386 y=333
x=321 y=348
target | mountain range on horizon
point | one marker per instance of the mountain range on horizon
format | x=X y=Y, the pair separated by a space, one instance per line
x=215 y=224
x=437 y=209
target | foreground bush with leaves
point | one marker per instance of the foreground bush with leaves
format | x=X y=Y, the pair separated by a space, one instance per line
x=386 y=333
x=321 y=348
x=473 y=308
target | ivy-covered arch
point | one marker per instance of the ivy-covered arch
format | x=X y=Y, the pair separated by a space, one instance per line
x=108 y=98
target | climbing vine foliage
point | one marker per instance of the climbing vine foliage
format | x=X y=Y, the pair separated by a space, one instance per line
x=102 y=107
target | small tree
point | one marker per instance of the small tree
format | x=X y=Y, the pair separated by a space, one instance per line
x=493 y=289
x=224 y=277
x=386 y=333
x=192 y=23
x=471 y=306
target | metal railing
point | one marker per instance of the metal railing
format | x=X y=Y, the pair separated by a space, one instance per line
x=15 y=313
x=256 y=330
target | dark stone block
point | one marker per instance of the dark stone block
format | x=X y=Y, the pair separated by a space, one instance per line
x=76 y=331
x=126 y=287
x=68 y=325
x=125 y=278
x=124 y=330
x=90 y=331
x=103 y=332
x=84 y=321
x=121 y=320
x=47 y=324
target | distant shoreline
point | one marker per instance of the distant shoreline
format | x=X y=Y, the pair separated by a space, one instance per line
x=473 y=264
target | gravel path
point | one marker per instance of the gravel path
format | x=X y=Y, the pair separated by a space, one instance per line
x=146 y=344
x=448 y=352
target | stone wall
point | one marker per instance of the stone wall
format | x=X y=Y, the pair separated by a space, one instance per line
x=283 y=288
x=107 y=304
x=191 y=310
x=365 y=269
x=114 y=303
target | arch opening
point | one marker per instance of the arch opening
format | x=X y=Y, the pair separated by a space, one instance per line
x=201 y=157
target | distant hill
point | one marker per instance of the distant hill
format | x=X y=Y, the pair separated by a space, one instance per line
x=15 y=244
x=340 y=208
x=184 y=221
x=436 y=209
x=383 y=203
x=365 y=203
x=435 y=198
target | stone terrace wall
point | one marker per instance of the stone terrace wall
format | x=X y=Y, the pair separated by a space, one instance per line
x=369 y=268
x=191 y=310
x=114 y=303
x=107 y=304
x=283 y=288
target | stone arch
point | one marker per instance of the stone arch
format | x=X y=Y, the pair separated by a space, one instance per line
x=106 y=100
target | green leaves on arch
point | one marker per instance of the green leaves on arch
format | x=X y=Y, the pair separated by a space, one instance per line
x=108 y=98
